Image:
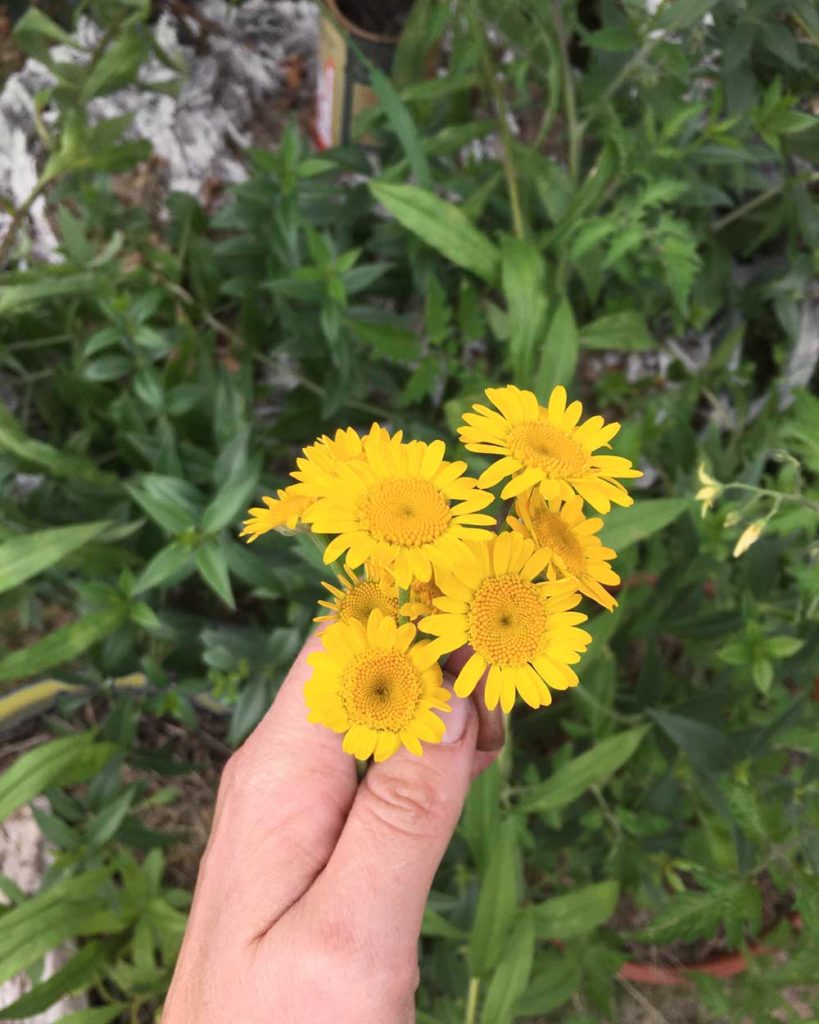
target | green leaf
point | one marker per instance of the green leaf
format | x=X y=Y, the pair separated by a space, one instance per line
x=689 y=916
x=558 y=357
x=441 y=225
x=592 y=768
x=233 y=496
x=497 y=901
x=24 y=557
x=58 y=463
x=706 y=747
x=169 y=501
x=523 y=275
x=402 y=124
x=481 y=818
x=435 y=925
x=63 y=644
x=387 y=341
x=46 y=286
x=683 y=13
x=626 y=331
x=35 y=32
x=105 y=824
x=511 y=976
x=172 y=563
x=66 y=760
x=117 y=65
x=74 y=976
x=555 y=979
x=576 y=913
x=213 y=568
x=624 y=527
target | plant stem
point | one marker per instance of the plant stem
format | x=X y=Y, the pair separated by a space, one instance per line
x=471 y=1015
x=778 y=495
x=19 y=216
x=573 y=126
x=760 y=200
x=495 y=90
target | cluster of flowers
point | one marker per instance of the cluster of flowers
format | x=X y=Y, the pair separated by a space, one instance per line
x=428 y=571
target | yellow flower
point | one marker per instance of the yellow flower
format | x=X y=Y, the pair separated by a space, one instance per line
x=710 y=490
x=282 y=512
x=523 y=632
x=563 y=531
x=322 y=458
x=356 y=596
x=373 y=684
x=545 y=448
x=750 y=535
x=316 y=461
x=395 y=509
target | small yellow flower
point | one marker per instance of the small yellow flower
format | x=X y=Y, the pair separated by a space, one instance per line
x=403 y=507
x=317 y=460
x=544 y=447
x=710 y=490
x=373 y=683
x=569 y=537
x=524 y=633
x=356 y=596
x=280 y=513
x=750 y=535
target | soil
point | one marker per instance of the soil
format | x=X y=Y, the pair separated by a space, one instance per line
x=381 y=17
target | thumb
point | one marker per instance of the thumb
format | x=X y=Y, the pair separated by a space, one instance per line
x=401 y=821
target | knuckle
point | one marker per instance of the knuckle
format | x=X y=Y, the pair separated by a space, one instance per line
x=412 y=802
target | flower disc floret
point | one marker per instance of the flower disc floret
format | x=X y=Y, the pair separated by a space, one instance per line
x=374 y=684
x=547 y=447
x=523 y=633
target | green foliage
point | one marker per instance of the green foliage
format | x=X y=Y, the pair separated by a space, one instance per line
x=643 y=227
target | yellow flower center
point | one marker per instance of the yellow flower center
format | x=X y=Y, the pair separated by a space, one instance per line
x=507 y=620
x=551 y=532
x=381 y=689
x=407 y=512
x=361 y=598
x=545 y=447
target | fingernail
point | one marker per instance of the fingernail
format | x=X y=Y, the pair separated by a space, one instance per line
x=456 y=719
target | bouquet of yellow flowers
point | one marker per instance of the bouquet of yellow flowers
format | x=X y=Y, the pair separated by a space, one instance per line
x=428 y=571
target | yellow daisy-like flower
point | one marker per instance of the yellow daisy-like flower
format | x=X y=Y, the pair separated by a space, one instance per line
x=282 y=512
x=317 y=461
x=356 y=596
x=561 y=529
x=396 y=509
x=545 y=448
x=372 y=683
x=524 y=633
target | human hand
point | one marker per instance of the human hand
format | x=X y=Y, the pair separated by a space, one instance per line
x=312 y=888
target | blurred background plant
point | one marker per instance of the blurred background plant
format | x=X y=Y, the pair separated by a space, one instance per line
x=618 y=199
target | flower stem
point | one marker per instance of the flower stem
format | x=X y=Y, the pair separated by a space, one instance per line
x=19 y=216
x=778 y=495
x=471 y=1015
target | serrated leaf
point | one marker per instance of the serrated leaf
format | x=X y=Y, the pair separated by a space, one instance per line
x=592 y=768
x=625 y=331
x=440 y=224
